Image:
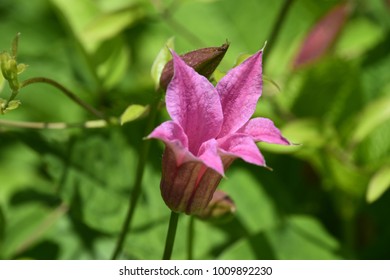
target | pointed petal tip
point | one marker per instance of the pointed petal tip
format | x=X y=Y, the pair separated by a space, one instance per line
x=267 y=167
x=262 y=49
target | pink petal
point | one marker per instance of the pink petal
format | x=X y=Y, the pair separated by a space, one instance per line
x=242 y=146
x=174 y=137
x=208 y=153
x=239 y=91
x=264 y=130
x=193 y=102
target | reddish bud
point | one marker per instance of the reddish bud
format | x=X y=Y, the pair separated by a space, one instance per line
x=204 y=61
x=323 y=35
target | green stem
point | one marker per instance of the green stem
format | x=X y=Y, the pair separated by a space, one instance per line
x=273 y=37
x=171 y=235
x=133 y=199
x=65 y=91
x=190 y=240
x=53 y=125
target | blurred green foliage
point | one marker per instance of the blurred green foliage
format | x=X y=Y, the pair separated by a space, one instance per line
x=64 y=193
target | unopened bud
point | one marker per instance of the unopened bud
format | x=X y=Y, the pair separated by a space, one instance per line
x=220 y=209
x=204 y=61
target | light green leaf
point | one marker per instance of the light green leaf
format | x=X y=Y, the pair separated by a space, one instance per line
x=1 y=82
x=133 y=112
x=112 y=59
x=372 y=116
x=162 y=58
x=77 y=14
x=110 y=24
x=303 y=132
x=352 y=43
x=13 y=104
x=378 y=184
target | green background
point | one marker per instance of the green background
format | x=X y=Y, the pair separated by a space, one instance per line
x=64 y=193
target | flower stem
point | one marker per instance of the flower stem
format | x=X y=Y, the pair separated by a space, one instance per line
x=65 y=91
x=133 y=199
x=190 y=239
x=53 y=125
x=273 y=37
x=171 y=235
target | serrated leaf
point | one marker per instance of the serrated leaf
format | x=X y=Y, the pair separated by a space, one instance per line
x=133 y=112
x=162 y=58
x=378 y=184
x=372 y=116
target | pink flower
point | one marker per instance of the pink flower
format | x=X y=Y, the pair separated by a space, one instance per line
x=210 y=127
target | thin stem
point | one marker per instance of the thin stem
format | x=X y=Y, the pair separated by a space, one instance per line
x=65 y=91
x=170 y=235
x=273 y=37
x=190 y=240
x=53 y=125
x=133 y=199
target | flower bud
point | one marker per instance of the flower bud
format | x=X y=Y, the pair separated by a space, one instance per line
x=323 y=35
x=9 y=69
x=204 y=61
x=220 y=209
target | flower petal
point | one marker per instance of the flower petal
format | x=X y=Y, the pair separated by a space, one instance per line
x=193 y=102
x=239 y=91
x=242 y=146
x=174 y=137
x=208 y=153
x=264 y=130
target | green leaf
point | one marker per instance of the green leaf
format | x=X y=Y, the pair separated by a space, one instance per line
x=378 y=184
x=77 y=14
x=2 y=82
x=22 y=226
x=296 y=237
x=255 y=208
x=304 y=132
x=302 y=237
x=324 y=94
x=134 y=112
x=256 y=247
x=375 y=114
x=352 y=43
x=2 y=227
x=108 y=25
x=162 y=58
x=112 y=60
x=341 y=173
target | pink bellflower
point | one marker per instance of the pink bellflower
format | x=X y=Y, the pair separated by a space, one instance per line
x=210 y=127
